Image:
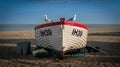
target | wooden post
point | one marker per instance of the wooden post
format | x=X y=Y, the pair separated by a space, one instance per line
x=24 y=48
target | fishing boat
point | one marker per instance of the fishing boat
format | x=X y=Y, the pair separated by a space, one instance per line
x=63 y=36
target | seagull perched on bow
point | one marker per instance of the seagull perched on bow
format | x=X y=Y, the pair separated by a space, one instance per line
x=73 y=18
x=47 y=19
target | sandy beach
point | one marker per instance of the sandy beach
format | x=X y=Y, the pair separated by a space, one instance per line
x=107 y=40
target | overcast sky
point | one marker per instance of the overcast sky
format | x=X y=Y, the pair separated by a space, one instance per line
x=33 y=11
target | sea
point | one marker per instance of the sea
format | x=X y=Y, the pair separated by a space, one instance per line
x=24 y=27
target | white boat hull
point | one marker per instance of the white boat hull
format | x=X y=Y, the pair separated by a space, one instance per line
x=61 y=37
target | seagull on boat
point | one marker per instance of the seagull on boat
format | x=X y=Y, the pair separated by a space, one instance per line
x=73 y=18
x=47 y=19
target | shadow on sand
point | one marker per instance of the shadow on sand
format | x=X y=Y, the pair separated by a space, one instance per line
x=112 y=48
x=6 y=52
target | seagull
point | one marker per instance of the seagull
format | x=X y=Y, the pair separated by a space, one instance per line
x=47 y=19
x=73 y=18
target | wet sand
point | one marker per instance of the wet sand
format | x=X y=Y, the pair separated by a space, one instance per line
x=107 y=40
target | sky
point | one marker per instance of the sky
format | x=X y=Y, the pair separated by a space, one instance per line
x=33 y=11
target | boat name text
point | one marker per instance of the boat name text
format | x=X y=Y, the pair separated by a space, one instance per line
x=77 y=32
x=46 y=32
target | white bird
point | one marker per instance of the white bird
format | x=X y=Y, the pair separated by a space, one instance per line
x=47 y=19
x=73 y=18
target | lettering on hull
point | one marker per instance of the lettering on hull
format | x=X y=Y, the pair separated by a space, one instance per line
x=46 y=32
x=77 y=32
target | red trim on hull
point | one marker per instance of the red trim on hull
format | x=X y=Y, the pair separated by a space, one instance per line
x=62 y=23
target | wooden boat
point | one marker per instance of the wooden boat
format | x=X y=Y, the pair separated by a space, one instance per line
x=63 y=36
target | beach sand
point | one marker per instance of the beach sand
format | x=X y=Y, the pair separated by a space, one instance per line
x=108 y=40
